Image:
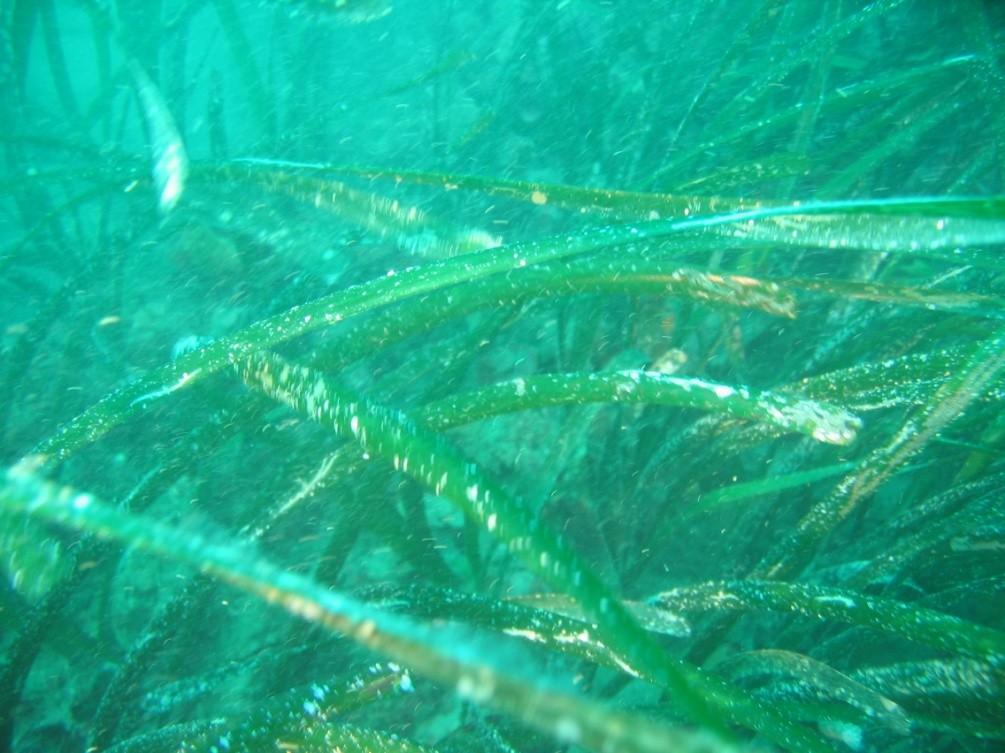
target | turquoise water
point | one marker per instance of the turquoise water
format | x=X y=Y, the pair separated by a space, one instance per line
x=515 y=376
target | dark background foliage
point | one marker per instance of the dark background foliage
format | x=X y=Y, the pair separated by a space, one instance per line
x=757 y=103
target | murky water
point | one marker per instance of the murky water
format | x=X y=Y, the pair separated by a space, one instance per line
x=501 y=376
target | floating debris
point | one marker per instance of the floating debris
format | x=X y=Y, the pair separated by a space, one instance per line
x=170 y=160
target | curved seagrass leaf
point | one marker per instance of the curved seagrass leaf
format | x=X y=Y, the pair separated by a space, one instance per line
x=957 y=392
x=630 y=274
x=307 y=719
x=824 y=423
x=616 y=204
x=940 y=227
x=569 y=718
x=945 y=229
x=964 y=303
x=408 y=226
x=632 y=205
x=656 y=619
x=906 y=380
x=429 y=459
x=555 y=621
x=939 y=236
x=961 y=695
x=726 y=495
x=822 y=678
x=600 y=274
x=358 y=299
x=638 y=206
x=758 y=172
x=912 y=623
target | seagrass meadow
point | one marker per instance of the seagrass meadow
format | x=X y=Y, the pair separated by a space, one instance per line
x=510 y=377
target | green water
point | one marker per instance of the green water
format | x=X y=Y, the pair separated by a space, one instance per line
x=517 y=377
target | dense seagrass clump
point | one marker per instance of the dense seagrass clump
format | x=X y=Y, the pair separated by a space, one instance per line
x=484 y=377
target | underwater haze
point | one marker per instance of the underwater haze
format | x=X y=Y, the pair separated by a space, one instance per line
x=514 y=376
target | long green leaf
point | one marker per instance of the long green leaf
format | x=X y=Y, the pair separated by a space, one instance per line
x=822 y=678
x=568 y=718
x=358 y=299
x=430 y=460
x=912 y=623
x=823 y=422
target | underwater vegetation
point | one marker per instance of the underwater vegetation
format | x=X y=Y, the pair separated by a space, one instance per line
x=509 y=377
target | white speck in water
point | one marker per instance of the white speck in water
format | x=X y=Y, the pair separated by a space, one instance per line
x=722 y=391
x=478 y=690
x=567 y=730
x=849 y=734
x=842 y=600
